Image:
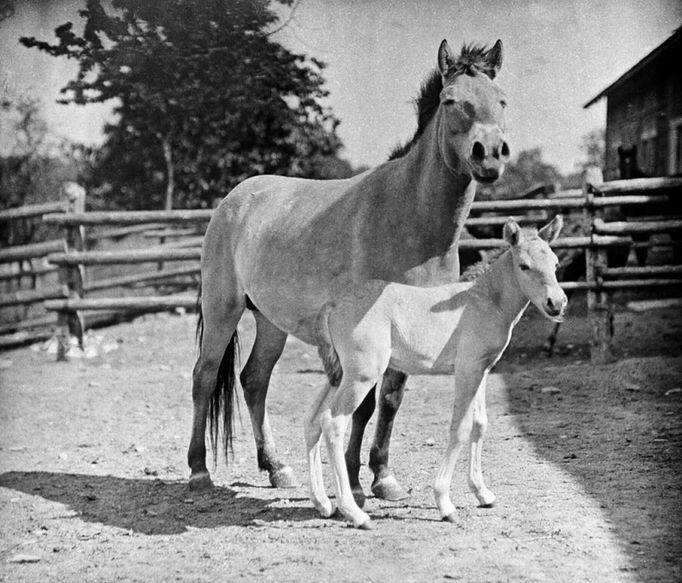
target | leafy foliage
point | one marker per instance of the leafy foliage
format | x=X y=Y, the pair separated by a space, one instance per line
x=205 y=79
x=33 y=165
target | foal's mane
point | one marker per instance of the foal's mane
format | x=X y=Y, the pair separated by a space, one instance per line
x=473 y=272
x=472 y=60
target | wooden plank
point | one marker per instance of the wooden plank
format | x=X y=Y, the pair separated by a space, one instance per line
x=523 y=205
x=33 y=210
x=130 y=303
x=125 y=280
x=37 y=271
x=670 y=270
x=21 y=252
x=129 y=256
x=129 y=217
x=27 y=297
x=120 y=232
x=640 y=185
x=622 y=227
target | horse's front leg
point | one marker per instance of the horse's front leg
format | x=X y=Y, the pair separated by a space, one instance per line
x=361 y=417
x=468 y=377
x=385 y=485
x=255 y=379
x=480 y=423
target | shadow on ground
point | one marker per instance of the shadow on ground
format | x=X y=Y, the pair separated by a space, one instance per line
x=616 y=429
x=153 y=506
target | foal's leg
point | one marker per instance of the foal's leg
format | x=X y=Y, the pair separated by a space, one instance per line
x=255 y=379
x=220 y=322
x=334 y=420
x=480 y=423
x=466 y=385
x=313 y=431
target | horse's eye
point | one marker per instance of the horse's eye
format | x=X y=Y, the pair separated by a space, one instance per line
x=524 y=267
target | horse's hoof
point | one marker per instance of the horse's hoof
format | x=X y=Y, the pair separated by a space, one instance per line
x=359 y=496
x=452 y=518
x=389 y=489
x=283 y=478
x=200 y=481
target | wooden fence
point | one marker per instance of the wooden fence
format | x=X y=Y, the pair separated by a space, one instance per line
x=183 y=229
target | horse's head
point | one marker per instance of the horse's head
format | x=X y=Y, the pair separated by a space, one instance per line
x=471 y=113
x=535 y=266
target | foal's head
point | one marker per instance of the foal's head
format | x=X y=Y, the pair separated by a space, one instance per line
x=471 y=113
x=535 y=266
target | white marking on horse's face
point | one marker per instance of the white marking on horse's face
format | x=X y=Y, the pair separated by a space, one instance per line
x=472 y=127
x=535 y=267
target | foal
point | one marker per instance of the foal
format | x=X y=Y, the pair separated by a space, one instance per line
x=460 y=328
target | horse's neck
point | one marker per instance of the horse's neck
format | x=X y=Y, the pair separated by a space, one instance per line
x=499 y=286
x=438 y=194
x=429 y=204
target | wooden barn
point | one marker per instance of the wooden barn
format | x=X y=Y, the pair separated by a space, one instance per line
x=644 y=112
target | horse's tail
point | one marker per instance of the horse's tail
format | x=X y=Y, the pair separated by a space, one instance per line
x=325 y=347
x=221 y=403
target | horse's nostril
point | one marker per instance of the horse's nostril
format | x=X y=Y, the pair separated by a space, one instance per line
x=505 y=149
x=478 y=152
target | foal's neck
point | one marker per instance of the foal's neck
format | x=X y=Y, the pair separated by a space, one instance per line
x=499 y=286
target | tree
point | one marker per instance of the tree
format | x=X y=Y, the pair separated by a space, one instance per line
x=33 y=165
x=592 y=149
x=204 y=98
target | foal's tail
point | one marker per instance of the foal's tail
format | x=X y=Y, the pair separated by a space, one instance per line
x=221 y=402
x=325 y=347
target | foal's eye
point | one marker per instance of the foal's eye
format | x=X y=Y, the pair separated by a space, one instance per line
x=524 y=267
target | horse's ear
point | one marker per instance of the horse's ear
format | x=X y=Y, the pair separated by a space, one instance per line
x=446 y=58
x=512 y=232
x=494 y=58
x=551 y=230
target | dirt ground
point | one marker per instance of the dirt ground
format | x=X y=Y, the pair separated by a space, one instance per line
x=585 y=462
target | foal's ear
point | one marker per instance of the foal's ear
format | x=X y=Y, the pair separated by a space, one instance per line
x=446 y=58
x=512 y=232
x=494 y=58
x=551 y=230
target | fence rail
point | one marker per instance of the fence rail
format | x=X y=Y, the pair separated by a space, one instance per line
x=70 y=256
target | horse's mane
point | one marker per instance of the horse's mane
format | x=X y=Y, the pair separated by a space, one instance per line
x=472 y=60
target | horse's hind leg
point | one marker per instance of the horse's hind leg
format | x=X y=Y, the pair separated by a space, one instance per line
x=255 y=379
x=391 y=396
x=220 y=321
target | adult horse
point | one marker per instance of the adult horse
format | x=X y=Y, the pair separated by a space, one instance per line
x=284 y=247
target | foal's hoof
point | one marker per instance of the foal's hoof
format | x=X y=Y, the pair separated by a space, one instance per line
x=359 y=496
x=388 y=488
x=367 y=525
x=200 y=481
x=488 y=504
x=283 y=478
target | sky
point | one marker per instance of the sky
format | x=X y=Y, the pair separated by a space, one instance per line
x=558 y=54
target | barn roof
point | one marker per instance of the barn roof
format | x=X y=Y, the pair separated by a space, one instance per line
x=675 y=41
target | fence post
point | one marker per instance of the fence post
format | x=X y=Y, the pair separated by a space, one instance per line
x=600 y=312
x=69 y=322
